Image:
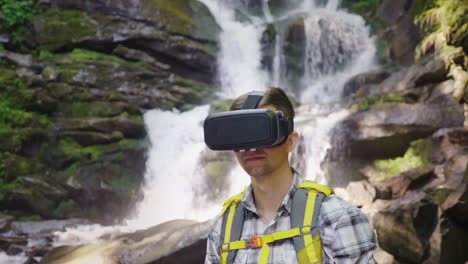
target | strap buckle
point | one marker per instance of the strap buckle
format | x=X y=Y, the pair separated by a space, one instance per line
x=254 y=242
x=226 y=247
x=307 y=229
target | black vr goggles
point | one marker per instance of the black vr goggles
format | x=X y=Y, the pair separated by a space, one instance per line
x=247 y=129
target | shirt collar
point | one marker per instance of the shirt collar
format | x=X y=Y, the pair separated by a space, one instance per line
x=248 y=199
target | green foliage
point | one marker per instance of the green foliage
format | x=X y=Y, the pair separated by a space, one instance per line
x=364 y=6
x=15 y=14
x=34 y=217
x=74 y=149
x=45 y=56
x=8 y=185
x=10 y=116
x=132 y=143
x=445 y=23
x=416 y=155
x=7 y=65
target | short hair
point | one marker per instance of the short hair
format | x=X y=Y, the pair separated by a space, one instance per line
x=273 y=96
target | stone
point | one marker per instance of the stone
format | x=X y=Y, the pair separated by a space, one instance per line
x=386 y=130
x=400 y=184
x=180 y=51
x=447 y=142
x=442 y=93
x=360 y=193
x=356 y=82
x=157 y=244
x=21 y=60
x=44 y=227
x=405 y=226
x=5 y=221
x=105 y=190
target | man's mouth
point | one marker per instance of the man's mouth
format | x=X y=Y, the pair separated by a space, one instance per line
x=253 y=158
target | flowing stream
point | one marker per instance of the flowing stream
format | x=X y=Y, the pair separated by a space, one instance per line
x=337 y=45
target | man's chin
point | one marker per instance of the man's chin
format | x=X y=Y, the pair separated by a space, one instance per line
x=256 y=171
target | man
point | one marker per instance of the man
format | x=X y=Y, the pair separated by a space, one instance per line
x=344 y=232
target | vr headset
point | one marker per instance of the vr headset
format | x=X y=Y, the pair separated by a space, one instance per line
x=248 y=128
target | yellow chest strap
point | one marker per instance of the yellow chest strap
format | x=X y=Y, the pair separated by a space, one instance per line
x=311 y=249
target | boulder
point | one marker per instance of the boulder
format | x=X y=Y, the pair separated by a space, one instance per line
x=177 y=241
x=429 y=70
x=5 y=221
x=447 y=142
x=57 y=28
x=402 y=183
x=20 y=60
x=356 y=82
x=96 y=84
x=105 y=189
x=34 y=228
x=405 y=226
x=360 y=193
x=386 y=130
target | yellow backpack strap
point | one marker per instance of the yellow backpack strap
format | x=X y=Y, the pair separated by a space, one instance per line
x=305 y=210
x=231 y=228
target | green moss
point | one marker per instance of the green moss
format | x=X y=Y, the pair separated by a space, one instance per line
x=418 y=154
x=34 y=217
x=19 y=166
x=60 y=26
x=132 y=143
x=74 y=149
x=91 y=109
x=46 y=56
x=8 y=185
x=87 y=55
x=173 y=14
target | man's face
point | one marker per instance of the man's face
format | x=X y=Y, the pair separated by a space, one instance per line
x=265 y=161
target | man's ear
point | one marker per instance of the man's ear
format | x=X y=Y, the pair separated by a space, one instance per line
x=293 y=140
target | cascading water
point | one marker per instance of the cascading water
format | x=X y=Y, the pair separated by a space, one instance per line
x=337 y=46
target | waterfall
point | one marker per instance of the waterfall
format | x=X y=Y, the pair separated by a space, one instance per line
x=337 y=45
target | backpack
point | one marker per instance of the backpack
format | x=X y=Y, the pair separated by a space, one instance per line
x=305 y=210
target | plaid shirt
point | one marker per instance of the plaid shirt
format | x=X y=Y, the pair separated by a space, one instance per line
x=347 y=236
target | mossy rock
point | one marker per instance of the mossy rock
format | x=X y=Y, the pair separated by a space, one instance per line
x=57 y=27
x=190 y=18
x=16 y=166
x=91 y=109
x=417 y=155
